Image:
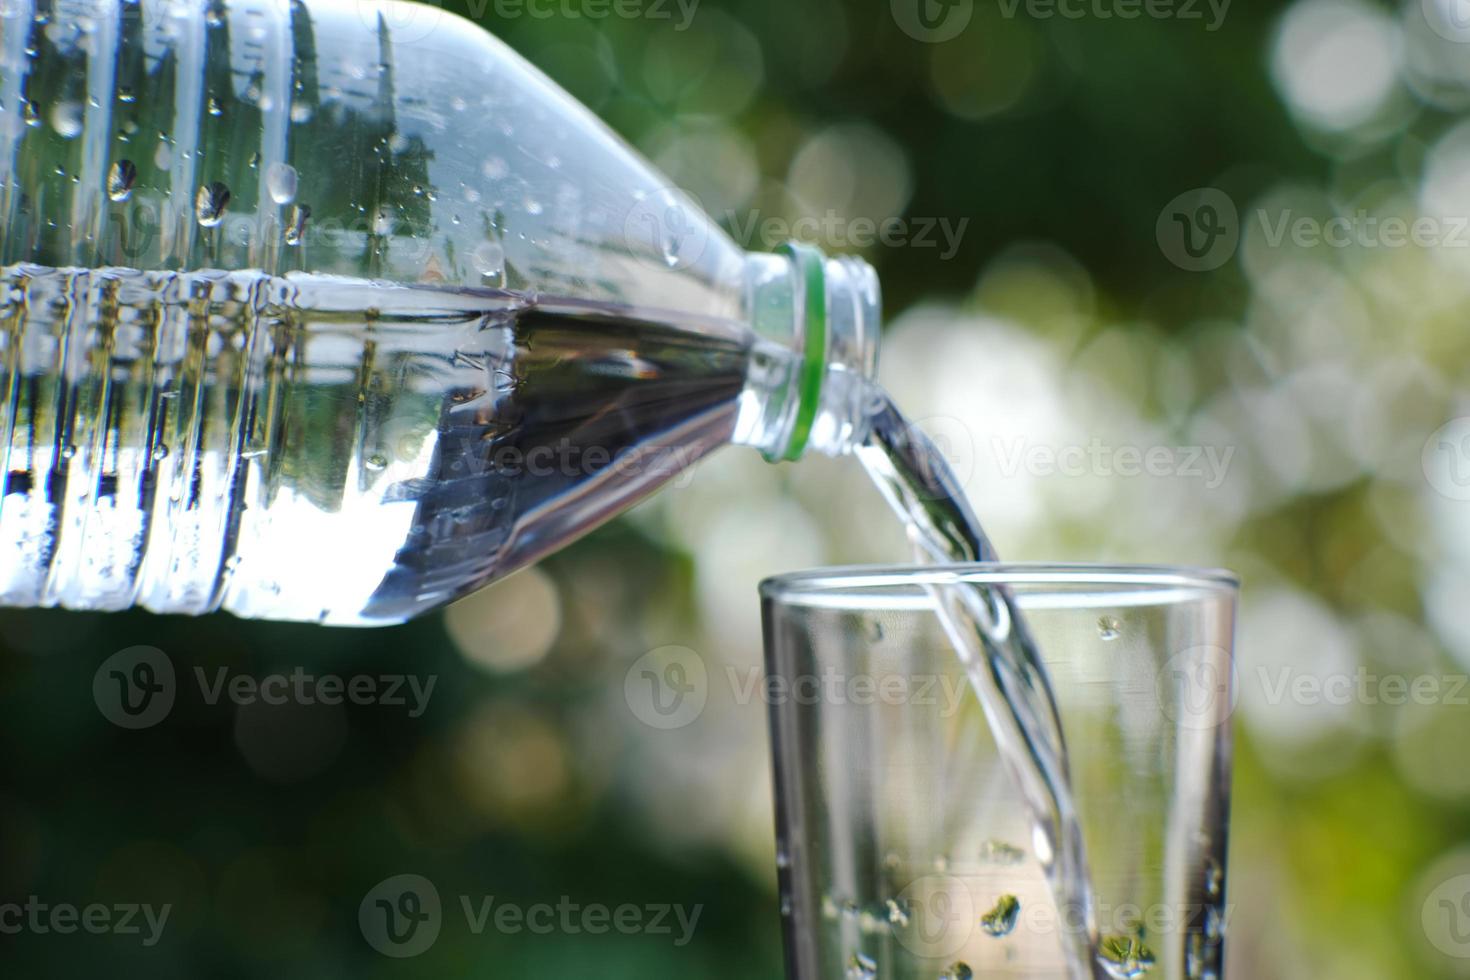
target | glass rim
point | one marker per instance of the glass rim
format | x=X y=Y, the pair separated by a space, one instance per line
x=830 y=586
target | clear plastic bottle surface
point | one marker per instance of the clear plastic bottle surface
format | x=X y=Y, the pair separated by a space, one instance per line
x=336 y=311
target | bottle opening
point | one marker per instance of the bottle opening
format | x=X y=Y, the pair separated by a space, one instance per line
x=817 y=319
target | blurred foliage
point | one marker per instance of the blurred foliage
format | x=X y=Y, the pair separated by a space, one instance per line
x=1059 y=320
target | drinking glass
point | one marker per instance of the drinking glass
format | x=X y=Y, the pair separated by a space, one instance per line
x=905 y=850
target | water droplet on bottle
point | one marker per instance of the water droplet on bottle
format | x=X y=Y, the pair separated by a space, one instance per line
x=125 y=94
x=1001 y=852
x=1214 y=878
x=494 y=168
x=1000 y=920
x=296 y=224
x=301 y=111
x=213 y=107
x=874 y=631
x=958 y=971
x=1194 y=956
x=489 y=259
x=1214 y=925
x=533 y=206
x=375 y=462
x=457 y=104
x=941 y=863
x=120 y=178
x=29 y=114
x=163 y=157
x=67 y=452
x=670 y=248
x=1109 y=628
x=1124 y=957
x=66 y=119
x=210 y=203
x=280 y=181
x=896 y=914
x=861 y=967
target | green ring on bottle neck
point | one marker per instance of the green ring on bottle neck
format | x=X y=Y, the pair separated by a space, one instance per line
x=808 y=262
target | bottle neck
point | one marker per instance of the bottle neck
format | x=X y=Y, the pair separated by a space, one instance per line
x=816 y=321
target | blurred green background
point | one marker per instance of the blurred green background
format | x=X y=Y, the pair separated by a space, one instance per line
x=1063 y=311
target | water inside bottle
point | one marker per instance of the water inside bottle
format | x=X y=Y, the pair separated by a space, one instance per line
x=328 y=449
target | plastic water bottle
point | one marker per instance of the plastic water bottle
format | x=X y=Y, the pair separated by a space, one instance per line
x=336 y=311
